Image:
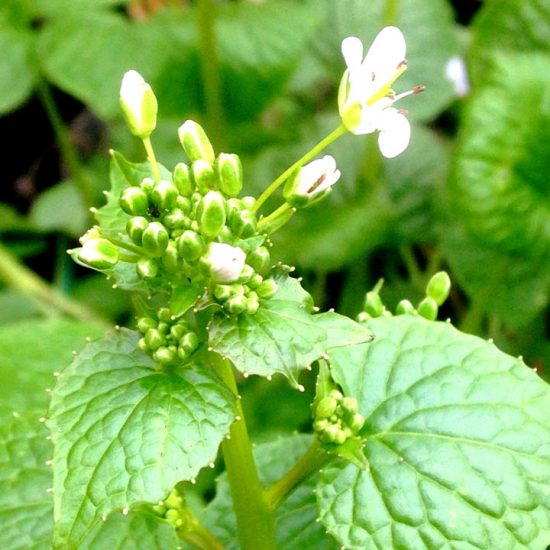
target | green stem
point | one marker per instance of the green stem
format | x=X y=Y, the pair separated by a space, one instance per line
x=314 y=459
x=66 y=147
x=16 y=275
x=127 y=246
x=390 y=14
x=411 y=264
x=325 y=142
x=275 y=214
x=194 y=533
x=255 y=522
x=151 y=157
x=206 y=22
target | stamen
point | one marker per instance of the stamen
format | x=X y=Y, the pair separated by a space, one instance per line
x=402 y=64
x=372 y=77
x=316 y=184
x=403 y=112
x=413 y=91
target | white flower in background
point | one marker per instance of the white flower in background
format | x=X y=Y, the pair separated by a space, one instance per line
x=365 y=97
x=224 y=262
x=139 y=104
x=457 y=74
x=312 y=182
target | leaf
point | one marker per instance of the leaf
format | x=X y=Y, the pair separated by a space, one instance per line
x=25 y=505
x=283 y=336
x=125 y=432
x=296 y=524
x=30 y=352
x=184 y=297
x=457 y=440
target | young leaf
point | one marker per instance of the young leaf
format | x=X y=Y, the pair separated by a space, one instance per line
x=457 y=441
x=125 y=432
x=184 y=296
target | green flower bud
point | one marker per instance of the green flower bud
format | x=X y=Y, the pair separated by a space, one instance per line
x=428 y=308
x=164 y=195
x=246 y=273
x=267 y=289
x=182 y=179
x=349 y=404
x=333 y=434
x=320 y=425
x=154 y=339
x=211 y=214
x=404 y=307
x=248 y=202
x=155 y=238
x=237 y=290
x=195 y=142
x=260 y=260
x=230 y=174
x=252 y=303
x=173 y=219
x=242 y=223
x=222 y=292
x=98 y=253
x=164 y=315
x=135 y=228
x=363 y=317
x=204 y=176
x=147 y=268
x=145 y=323
x=236 y=305
x=184 y=204
x=326 y=407
x=147 y=185
x=189 y=342
x=134 y=201
x=335 y=394
x=439 y=287
x=163 y=327
x=170 y=258
x=356 y=422
x=164 y=356
x=139 y=104
x=255 y=281
x=190 y=245
x=142 y=345
x=373 y=304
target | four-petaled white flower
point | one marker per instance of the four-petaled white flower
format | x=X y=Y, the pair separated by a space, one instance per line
x=312 y=182
x=225 y=262
x=139 y=104
x=365 y=97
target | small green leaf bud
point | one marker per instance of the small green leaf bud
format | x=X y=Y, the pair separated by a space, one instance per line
x=154 y=339
x=267 y=289
x=190 y=245
x=246 y=273
x=223 y=263
x=260 y=260
x=349 y=404
x=242 y=223
x=230 y=174
x=211 y=214
x=236 y=305
x=255 y=281
x=155 y=238
x=145 y=323
x=164 y=356
x=189 y=342
x=147 y=268
x=135 y=228
x=98 y=253
x=204 y=176
x=404 y=307
x=439 y=287
x=170 y=258
x=134 y=201
x=222 y=292
x=373 y=304
x=139 y=104
x=164 y=195
x=252 y=303
x=195 y=142
x=428 y=308
x=182 y=179
x=326 y=407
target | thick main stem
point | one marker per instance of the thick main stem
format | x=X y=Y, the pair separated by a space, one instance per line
x=255 y=522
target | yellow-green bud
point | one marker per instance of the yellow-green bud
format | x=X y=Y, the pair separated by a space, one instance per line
x=182 y=179
x=255 y=281
x=230 y=174
x=357 y=422
x=326 y=407
x=373 y=304
x=154 y=339
x=260 y=260
x=170 y=258
x=139 y=104
x=252 y=303
x=195 y=142
x=246 y=273
x=164 y=356
x=98 y=253
x=267 y=289
x=164 y=195
x=439 y=287
x=404 y=307
x=145 y=323
x=134 y=201
x=349 y=404
x=190 y=245
x=222 y=292
x=155 y=238
x=428 y=308
x=147 y=268
x=177 y=332
x=236 y=305
x=203 y=175
x=242 y=223
x=135 y=228
x=211 y=214
x=189 y=342
x=173 y=219
x=147 y=185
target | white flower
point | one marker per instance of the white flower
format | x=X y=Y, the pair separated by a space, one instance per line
x=139 y=104
x=224 y=262
x=365 y=97
x=312 y=182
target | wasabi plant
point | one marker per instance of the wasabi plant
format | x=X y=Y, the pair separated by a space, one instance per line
x=422 y=437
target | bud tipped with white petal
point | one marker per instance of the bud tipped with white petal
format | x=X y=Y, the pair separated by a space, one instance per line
x=195 y=142
x=98 y=253
x=139 y=104
x=223 y=262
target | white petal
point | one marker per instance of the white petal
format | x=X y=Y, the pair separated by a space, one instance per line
x=395 y=132
x=352 y=50
x=370 y=116
x=385 y=55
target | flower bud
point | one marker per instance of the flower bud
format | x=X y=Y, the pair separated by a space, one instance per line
x=190 y=245
x=373 y=304
x=135 y=228
x=255 y=281
x=195 y=142
x=349 y=404
x=211 y=214
x=248 y=202
x=189 y=342
x=174 y=219
x=236 y=305
x=164 y=356
x=182 y=179
x=134 y=201
x=222 y=292
x=98 y=253
x=154 y=339
x=203 y=176
x=326 y=407
x=223 y=263
x=230 y=174
x=439 y=287
x=357 y=422
x=147 y=268
x=184 y=204
x=164 y=195
x=155 y=239
x=404 y=307
x=242 y=223
x=252 y=303
x=267 y=289
x=139 y=104
x=260 y=260
x=177 y=332
x=246 y=273
x=145 y=323
x=428 y=308
x=170 y=258
x=147 y=185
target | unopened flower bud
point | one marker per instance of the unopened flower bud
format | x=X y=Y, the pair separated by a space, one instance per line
x=260 y=260
x=439 y=287
x=164 y=355
x=147 y=185
x=203 y=176
x=164 y=195
x=326 y=407
x=170 y=258
x=243 y=223
x=173 y=219
x=139 y=104
x=252 y=303
x=145 y=323
x=246 y=273
x=147 y=268
x=182 y=179
x=190 y=245
x=230 y=174
x=267 y=289
x=195 y=142
x=222 y=292
x=428 y=308
x=177 y=332
x=356 y=422
x=189 y=342
x=135 y=228
x=236 y=305
x=223 y=263
x=373 y=304
x=155 y=239
x=211 y=214
x=154 y=339
x=255 y=281
x=134 y=201
x=349 y=404
x=404 y=307
x=98 y=253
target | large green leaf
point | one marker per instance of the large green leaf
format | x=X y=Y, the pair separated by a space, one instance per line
x=297 y=528
x=457 y=439
x=125 y=432
x=30 y=353
x=284 y=336
x=26 y=513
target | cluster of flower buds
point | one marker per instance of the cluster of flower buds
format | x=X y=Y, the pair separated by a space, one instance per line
x=336 y=419
x=168 y=340
x=171 y=509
